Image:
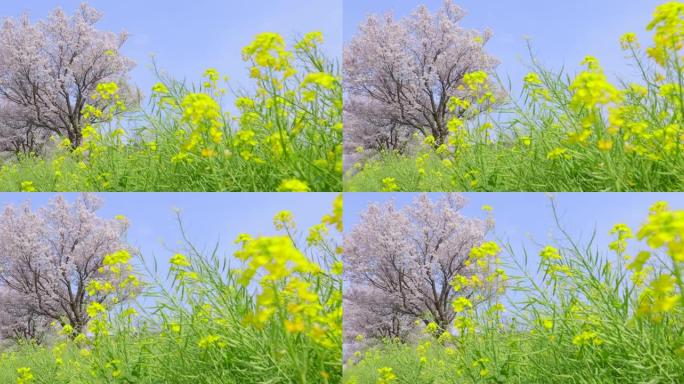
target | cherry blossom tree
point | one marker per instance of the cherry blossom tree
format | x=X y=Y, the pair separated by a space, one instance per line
x=50 y=70
x=55 y=261
x=399 y=75
x=399 y=264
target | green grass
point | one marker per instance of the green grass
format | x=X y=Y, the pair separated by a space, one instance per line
x=504 y=167
x=198 y=329
x=286 y=135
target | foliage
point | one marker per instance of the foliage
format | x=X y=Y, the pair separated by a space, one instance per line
x=400 y=265
x=401 y=75
x=52 y=259
x=584 y=316
x=277 y=319
x=563 y=134
x=51 y=71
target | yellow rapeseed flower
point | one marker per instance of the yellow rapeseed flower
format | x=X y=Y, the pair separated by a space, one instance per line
x=268 y=51
x=386 y=376
x=28 y=186
x=558 y=153
x=208 y=341
x=591 y=88
x=587 y=338
x=309 y=41
x=95 y=308
x=293 y=185
x=199 y=108
x=107 y=90
x=118 y=257
x=668 y=23
x=629 y=40
x=322 y=79
x=25 y=375
x=550 y=253
x=179 y=260
x=461 y=303
x=389 y=184
x=532 y=79
x=160 y=89
x=605 y=144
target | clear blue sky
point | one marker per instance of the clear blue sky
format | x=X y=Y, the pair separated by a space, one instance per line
x=562 y=32
x=188 y=37
x=526 y=219
x=208 y=217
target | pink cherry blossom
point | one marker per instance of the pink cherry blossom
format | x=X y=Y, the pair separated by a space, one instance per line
x=49 y=71
x=399 y=263
x=400 y=74
x=47 y=258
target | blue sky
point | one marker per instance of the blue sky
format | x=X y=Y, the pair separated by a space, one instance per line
x=189 y=37
x=207 y=217
x=525 y=219
x=562 y=32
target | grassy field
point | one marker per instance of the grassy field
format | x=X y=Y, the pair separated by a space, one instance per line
x=562 y=133
x=277 y=319
x=582 y=315
x=286 y=135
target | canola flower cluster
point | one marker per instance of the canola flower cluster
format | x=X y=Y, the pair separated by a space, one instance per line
x=204 y=113
x=117 y=283
x=668 y=24
x=487 y=279
x=290 y=282
x=24 y=376
x=664 y=230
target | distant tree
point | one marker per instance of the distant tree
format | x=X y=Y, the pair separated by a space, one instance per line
x=400 y=75
x=367 y=313
x=400 y=263
x=371 y=130
x=49 y=260
x=17 y=321
x=16 y=136
x=50 y=70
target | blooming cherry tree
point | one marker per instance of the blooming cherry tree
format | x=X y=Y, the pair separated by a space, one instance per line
x=400 y=75
x=401 y=264
x=50 y=71
x=56 y=261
